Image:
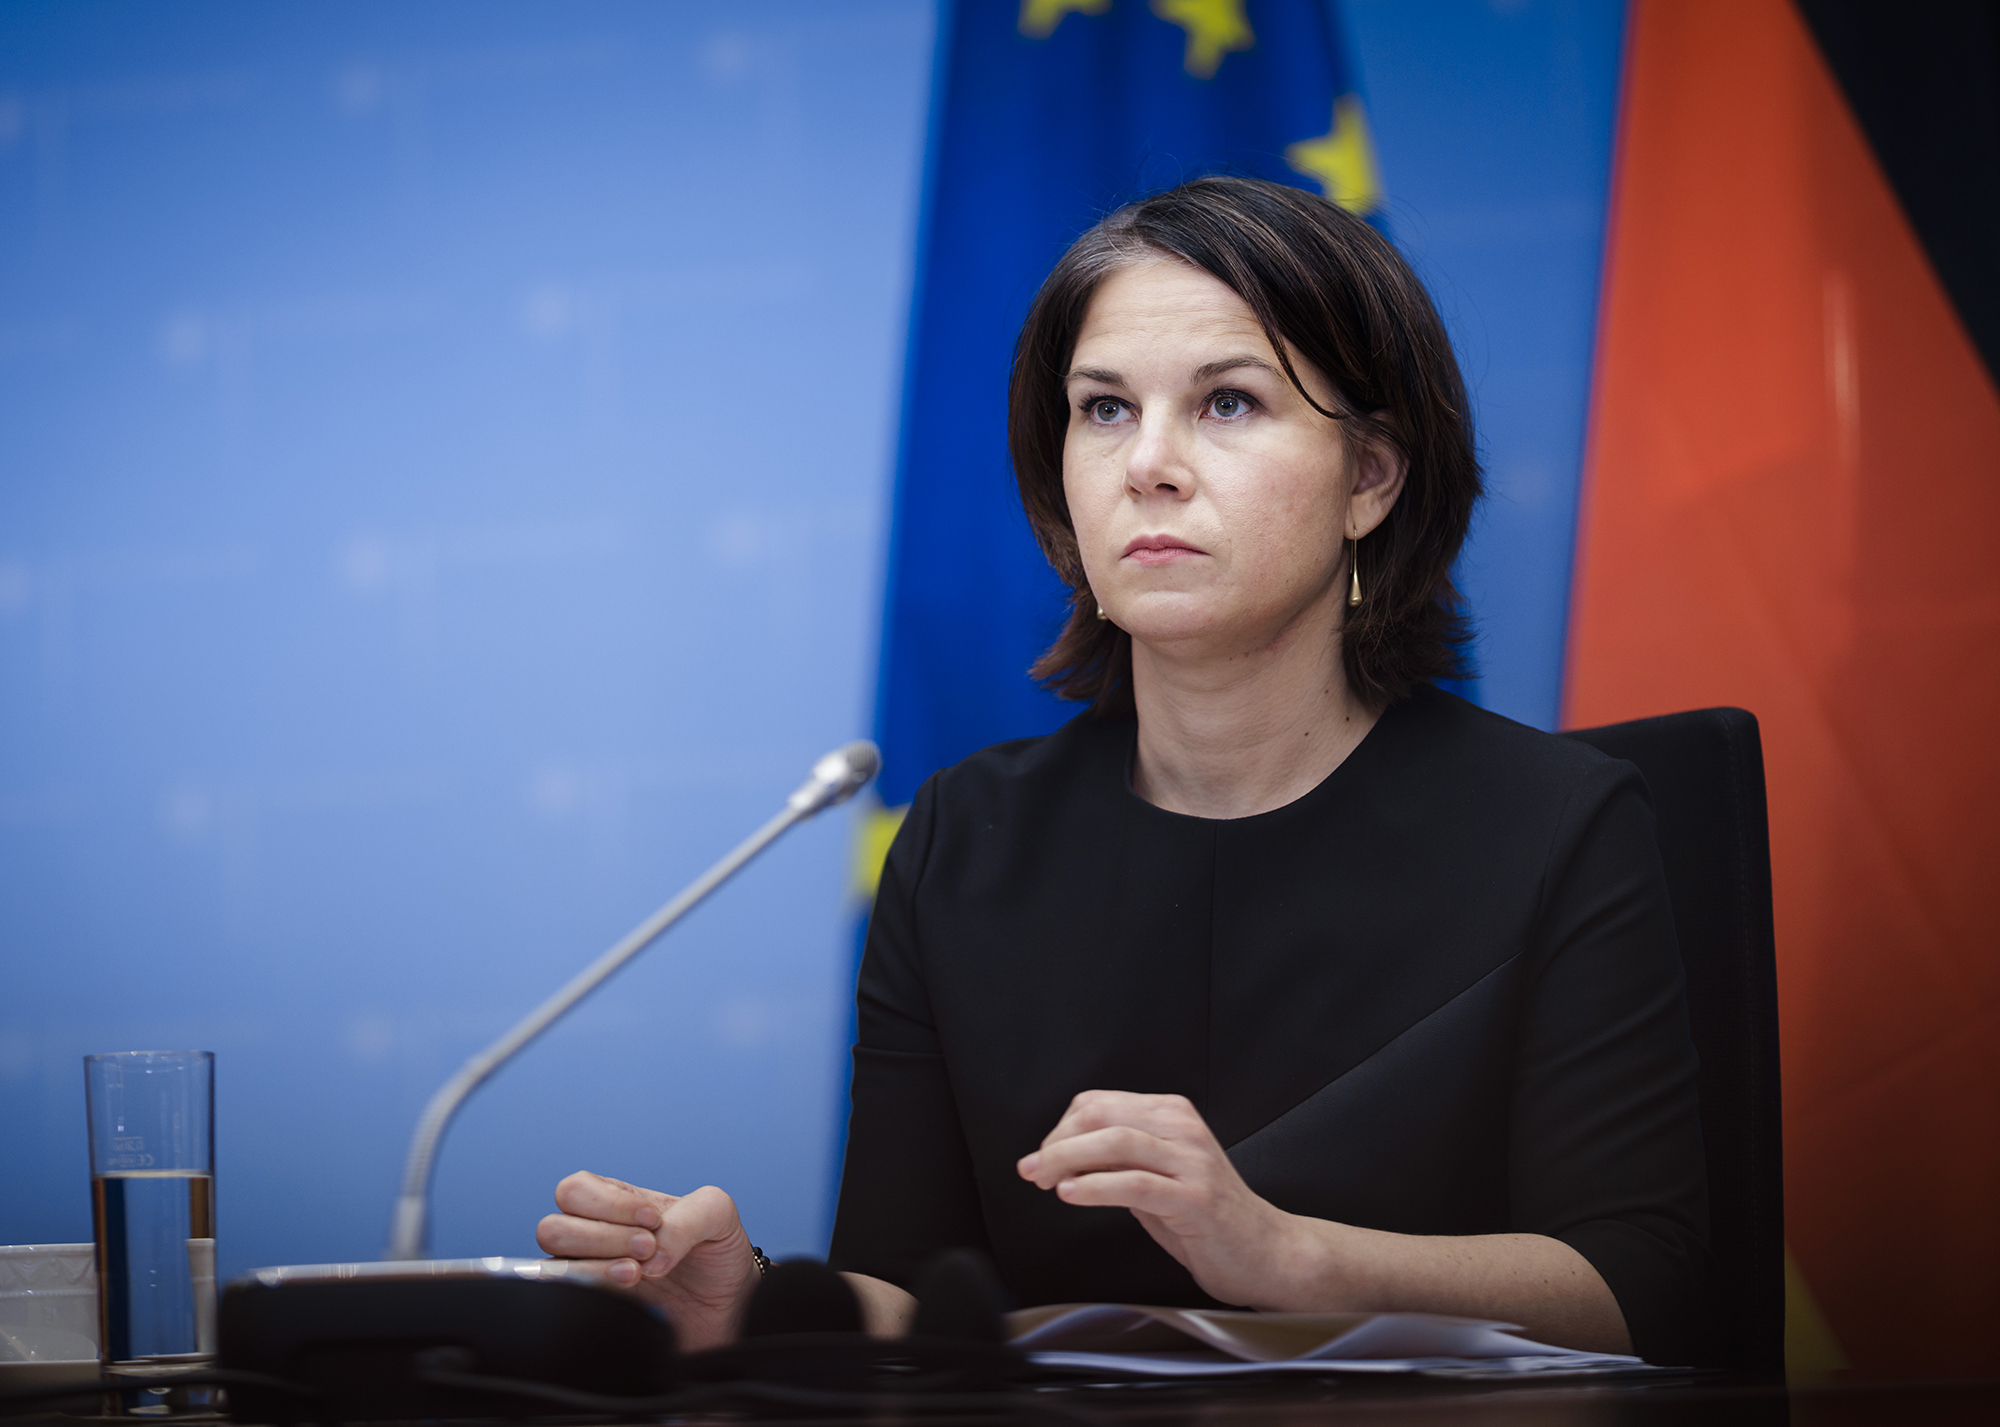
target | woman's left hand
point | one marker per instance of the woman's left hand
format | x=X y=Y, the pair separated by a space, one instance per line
x=1155 y=1155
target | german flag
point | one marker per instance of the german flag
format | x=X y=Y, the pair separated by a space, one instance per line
x=1792 y=504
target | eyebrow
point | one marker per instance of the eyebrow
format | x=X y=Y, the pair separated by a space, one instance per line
x=1207 y=370
x=1202 y=373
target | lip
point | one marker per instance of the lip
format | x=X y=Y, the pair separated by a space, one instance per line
x=1151 y=550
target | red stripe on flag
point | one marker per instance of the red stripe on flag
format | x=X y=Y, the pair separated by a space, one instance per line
x=1792 y=503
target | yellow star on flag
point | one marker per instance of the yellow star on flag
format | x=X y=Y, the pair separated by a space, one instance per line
x=1214 y=28
x=1039 y=18
x=1342 y=159
x=874 y=830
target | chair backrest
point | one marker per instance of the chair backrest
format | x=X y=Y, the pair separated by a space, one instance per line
x=1705 y=770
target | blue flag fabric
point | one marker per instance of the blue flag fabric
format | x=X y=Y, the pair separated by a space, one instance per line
x=1047 y=114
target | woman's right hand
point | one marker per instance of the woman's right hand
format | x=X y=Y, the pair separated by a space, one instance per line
x=686 y=1254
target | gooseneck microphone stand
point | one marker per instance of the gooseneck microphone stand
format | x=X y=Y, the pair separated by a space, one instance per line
x=835 y=778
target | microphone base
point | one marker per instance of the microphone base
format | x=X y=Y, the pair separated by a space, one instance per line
x=350 y=1342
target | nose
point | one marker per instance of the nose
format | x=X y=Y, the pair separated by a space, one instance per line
x=1157 y=461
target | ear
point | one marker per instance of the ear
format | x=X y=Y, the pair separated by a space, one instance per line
x=1379 y=469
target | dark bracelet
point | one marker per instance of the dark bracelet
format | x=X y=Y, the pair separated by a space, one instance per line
x=763 y=1264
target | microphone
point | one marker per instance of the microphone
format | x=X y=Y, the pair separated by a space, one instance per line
x=835 y=778
x=959 y=1299
x=801 y=1296
x=803 y=1329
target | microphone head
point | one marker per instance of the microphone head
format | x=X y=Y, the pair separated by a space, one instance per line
x=959 y=1297
x=801 y=1296
x=838 y=776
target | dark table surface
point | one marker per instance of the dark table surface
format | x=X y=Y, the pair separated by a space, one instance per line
x=1718 y=1399
x=1723 y=1400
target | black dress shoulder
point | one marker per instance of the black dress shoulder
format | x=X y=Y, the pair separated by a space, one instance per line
x=1438 y=994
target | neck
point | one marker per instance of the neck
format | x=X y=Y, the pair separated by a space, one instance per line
x=1233 y=735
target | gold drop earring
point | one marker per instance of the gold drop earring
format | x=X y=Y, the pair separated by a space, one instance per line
x=1353 y=573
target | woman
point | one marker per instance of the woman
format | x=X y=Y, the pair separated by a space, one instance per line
x=1279 y=978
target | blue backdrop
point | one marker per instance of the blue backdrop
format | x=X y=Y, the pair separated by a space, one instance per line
x=445 y=463
x=1495 y=124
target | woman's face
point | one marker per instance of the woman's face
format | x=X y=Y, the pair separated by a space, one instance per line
x=1211 y=502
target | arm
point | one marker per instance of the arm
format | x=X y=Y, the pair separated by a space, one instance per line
x=886 y=1310
x=907 y=1189
x=1154 y=1155
x=1604 y=1157
x=1604 y=1133
x=1541 y=1283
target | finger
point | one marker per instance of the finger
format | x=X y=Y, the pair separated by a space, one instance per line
x=1119 y=1147
x=1093 y=1110
x=593 y=1196
x=1169 y=1116
x=1133 y=1189
x=705 y=1216
x=656 y=1196
x=622 y=1272
x=566 y=1236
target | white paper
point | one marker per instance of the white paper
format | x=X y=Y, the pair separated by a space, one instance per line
x=1559 y=1360
x=1182 y=1342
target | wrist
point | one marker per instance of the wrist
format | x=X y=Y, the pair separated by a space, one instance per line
x=1317 y=1269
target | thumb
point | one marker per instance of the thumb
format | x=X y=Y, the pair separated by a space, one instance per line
x=706 y=1216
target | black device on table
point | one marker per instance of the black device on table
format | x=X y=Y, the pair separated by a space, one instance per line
x=377 y=1342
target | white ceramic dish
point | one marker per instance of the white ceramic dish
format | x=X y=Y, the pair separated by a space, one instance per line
x=32 y=1377
x=48 y=1316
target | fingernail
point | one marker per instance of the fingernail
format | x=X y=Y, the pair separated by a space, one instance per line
x=649 y=1217
x=1066 y=1188
x=1030 y=1163
x=640 y=1246
x=623 y=1272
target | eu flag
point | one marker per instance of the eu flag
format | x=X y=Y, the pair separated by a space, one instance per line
x=1046 y=115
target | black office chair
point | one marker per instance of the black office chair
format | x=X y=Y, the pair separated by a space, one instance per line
x=1705 y=770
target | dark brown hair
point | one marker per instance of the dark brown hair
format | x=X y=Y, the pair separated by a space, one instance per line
x=1328 y=285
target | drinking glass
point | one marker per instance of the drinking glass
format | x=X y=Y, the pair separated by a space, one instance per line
x=152 y=1194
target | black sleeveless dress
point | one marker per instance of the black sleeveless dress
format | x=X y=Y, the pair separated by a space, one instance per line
x=1438 y=994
